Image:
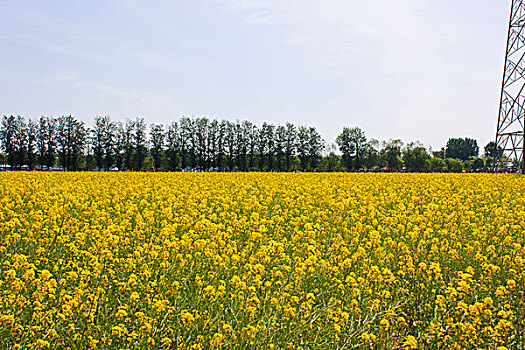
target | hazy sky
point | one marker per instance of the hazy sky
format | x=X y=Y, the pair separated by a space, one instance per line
x=420 y=70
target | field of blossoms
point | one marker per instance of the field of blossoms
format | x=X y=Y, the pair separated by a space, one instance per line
x=262 y=261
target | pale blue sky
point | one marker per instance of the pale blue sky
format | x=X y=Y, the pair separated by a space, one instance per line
x=411 y=69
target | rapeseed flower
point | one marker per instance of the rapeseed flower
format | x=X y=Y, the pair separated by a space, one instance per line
x=128 y=260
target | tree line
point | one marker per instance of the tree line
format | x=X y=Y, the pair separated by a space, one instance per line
x=200 y=143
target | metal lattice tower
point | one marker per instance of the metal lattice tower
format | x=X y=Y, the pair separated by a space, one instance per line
x=511 y=121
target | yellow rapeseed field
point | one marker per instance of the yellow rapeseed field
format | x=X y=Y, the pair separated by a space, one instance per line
x=261 y=261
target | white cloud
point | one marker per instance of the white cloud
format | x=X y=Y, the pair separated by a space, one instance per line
x=399 y=68
x=340 y=37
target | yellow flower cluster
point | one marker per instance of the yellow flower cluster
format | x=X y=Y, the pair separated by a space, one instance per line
x=252 y=260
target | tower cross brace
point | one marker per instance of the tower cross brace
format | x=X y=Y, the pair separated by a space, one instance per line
x=511 y=122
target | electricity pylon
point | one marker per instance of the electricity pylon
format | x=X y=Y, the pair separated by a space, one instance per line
x=511 y=127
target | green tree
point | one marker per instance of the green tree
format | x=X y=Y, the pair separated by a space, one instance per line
x=346 y=146
x=332 y=159
x=212 y=143
x=415 y=157
x=390 y=155
x=477 y=163
x=98 y=135
x=280 y=140
x=140 y=142
x=266 y=147
x=109 y=142
x=20 y=142
x=71 y=138
x=242 y=141
x=200 y=130
x=8 y=133
x=454 y=165
x=303 y=140
x=437 y=164
x=221 y=152
x=290 y=144
x=252 y=134
x=491 y=150
x=370 y=154
x=51 y=146
x=119 y=146
x=189 y=143
x=461 y=148
x=32 y=134
x=157 y=136
x=230 y=143
x=173 y=141
x=440 y=153
x=41 y=140
x=316 y=146
x=351 y=142
x=127 y=144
